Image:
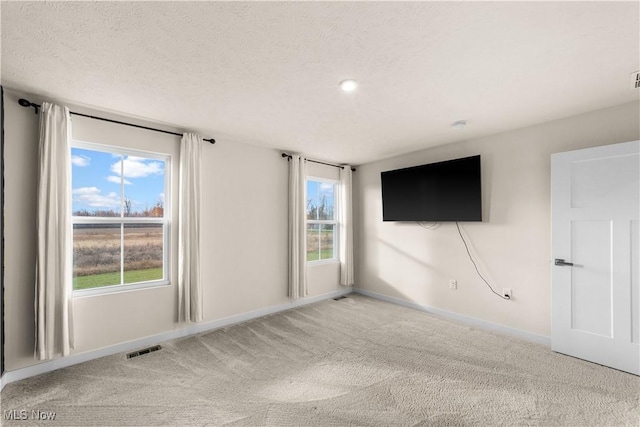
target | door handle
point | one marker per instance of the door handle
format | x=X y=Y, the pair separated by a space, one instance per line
x=562 y=262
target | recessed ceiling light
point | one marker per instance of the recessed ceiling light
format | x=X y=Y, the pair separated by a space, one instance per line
x=348 y=85
x=459 y=124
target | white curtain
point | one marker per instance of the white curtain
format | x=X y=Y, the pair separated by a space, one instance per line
x=189 y=283
x=345 y=218
x=53 y=299
x=297 y=230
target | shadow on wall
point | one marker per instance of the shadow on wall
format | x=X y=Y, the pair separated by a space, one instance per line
x=418 y=265
x=405 y=275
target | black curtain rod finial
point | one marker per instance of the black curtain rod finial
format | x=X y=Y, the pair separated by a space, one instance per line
x=26 y=103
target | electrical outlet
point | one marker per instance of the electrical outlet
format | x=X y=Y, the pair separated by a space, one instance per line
x=506 y=292
x=453 y=284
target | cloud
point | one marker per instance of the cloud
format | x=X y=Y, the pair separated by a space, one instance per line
x=117 y=180
x=80 y=160
x=137 y=159
x=137 y=167
x=93 y=197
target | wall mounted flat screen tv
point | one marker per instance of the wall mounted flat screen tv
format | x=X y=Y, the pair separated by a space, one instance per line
x=443 y=191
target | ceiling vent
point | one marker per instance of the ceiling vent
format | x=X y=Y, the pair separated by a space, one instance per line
x=634 y=80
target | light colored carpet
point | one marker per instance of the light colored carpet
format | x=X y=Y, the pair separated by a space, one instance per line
x=356 y=361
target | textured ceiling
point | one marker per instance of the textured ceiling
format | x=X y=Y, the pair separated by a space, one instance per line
x=268 y=73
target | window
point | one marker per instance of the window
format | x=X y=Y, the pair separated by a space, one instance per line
x=120 y=218
x=321 y=220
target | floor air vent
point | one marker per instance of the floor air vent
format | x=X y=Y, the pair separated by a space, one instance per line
x=143 y=351
x=339 y=298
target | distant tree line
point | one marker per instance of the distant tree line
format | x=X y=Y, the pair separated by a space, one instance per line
x=157 y=211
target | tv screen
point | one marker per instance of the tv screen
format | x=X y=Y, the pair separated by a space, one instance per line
x=443 y=191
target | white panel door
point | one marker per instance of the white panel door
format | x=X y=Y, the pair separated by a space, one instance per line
x=595 y=196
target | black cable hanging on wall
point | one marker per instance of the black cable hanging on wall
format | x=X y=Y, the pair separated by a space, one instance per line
x=288 y=156
x=26 y=103
x=507 y=297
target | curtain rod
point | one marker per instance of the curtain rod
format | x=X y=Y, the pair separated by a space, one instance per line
x=26 y=103
x=288 y=156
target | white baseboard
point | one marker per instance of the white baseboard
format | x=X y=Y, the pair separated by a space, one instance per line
x=518 y=333
x=191 y=329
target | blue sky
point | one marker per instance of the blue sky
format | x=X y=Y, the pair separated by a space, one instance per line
x=97 y=180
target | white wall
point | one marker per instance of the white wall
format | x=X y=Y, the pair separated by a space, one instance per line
x=20 y=174
x=244 y=237
x=511 y=245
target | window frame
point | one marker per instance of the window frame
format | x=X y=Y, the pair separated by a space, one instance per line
x=334 y=222
x=165 y=220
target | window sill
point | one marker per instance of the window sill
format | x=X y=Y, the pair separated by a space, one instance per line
x=117 y=289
